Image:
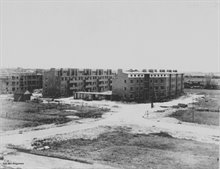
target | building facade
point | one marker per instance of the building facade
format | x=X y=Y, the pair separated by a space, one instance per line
x=66 y=82
x=147 y=85
x=20 y=82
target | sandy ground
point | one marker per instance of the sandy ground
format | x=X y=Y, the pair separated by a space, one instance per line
x=140 y=117
x=28 y=161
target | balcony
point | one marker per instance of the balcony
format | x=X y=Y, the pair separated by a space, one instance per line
x=102 y=80
x=89 y=86
x=75 y=81
x=75 y=87
x=89 y=80
x=102 y=85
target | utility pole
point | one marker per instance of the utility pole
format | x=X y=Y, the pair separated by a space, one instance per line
x=193 y=113
x=152 y=95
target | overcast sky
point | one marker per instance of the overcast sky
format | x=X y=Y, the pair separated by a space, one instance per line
x=175 y=34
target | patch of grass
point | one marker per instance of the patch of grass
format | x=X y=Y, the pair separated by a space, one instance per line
x=163 y=134
x=126 y=150
x=96 y=113
x=31 y=114
x=206 y=110
x=200 y=117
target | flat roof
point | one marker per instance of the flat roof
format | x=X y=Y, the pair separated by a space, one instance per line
x=126 y=72
x=97 y=93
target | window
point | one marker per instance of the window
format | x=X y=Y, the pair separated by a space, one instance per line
x=161 y=87
x=131 y=88
x=125 y=81
x=124 y=88
x=131 y=95
x=137 y=81
x=131 y=81
x=161 y=80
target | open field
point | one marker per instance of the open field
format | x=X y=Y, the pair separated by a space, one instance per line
x=122 y=149
x=123 y=138
x=205 y=111
x=16 y=115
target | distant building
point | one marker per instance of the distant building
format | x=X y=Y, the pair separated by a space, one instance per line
x=202 y=80
x=11 y=82
x=147 y=85
x=66 y=82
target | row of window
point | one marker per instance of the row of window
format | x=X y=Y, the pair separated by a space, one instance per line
x=17 y=82
x=132 y=81
x=132 y=96
x=159 y=75
x=136 y=75
x=84 y=72
x=157 y=81
x=24 y=77
x=133 y=88
x=93 y=88
x=14 y=77
x=141 y=95
x=94 y=83
x=84 y=78
x=157 y=87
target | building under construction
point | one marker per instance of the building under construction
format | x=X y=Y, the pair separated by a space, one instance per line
x=12 y=82
x=66 y=82
x=147 y=85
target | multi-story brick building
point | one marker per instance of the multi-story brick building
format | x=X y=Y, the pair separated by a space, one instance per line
x=19 y=82
x=147 y=85
x=65 y=82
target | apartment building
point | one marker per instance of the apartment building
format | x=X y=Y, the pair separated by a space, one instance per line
x=147 y=85
x=19 y=82
x=65 y=82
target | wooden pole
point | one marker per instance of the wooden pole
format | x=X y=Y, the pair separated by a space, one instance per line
x=152 y=96
x=193 y=112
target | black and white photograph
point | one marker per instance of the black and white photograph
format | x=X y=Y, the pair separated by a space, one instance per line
x=109 y=84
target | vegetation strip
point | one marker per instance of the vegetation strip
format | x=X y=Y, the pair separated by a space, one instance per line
x=41 y=153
